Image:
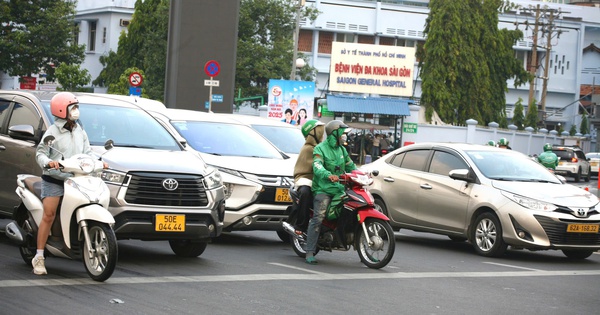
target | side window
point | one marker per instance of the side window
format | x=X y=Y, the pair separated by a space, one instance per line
x=580 y=155
x=443 y=162
x=3 y=112
x=415 y=160
x=397 y=161
x=23 y=115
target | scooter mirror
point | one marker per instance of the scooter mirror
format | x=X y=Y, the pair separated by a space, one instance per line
x=109 y=144
x=49 y=139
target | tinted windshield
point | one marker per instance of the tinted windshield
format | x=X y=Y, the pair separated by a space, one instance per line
x=288 y=140
x=510 y=166
x=129 y=127
x=225 y=139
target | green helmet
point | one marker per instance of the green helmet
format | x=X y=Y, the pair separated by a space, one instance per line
x=310 y=125
x=491 y=143
x=503 y=142
x=547 y=147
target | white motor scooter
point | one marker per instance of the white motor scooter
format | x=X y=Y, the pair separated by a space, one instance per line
x=82 y=228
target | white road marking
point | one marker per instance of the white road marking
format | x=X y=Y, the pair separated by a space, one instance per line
x=375 y=275
x=298 y=268
x=511 y=266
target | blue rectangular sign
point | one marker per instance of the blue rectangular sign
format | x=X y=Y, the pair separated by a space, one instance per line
x=218 y=98
x=134 y=90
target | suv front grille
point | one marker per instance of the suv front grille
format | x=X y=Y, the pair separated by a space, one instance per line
x=146 y=188
x=557 y=233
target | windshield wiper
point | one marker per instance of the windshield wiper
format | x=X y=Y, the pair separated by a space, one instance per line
x=133 y=146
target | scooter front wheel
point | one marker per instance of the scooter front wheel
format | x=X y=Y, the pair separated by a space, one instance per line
x=376 y=250
x=28 y=249
x=299 y=246
x=101 y=259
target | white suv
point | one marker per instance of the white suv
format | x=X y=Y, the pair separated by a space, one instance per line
x=572 y=162
x=256 y=174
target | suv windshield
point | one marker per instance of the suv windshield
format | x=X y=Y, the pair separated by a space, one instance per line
x=510 y=166
x=127 y=127
x=225 y=139
x=288 y=140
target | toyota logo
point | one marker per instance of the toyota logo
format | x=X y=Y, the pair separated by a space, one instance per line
x=170 y=184
x=581 y=212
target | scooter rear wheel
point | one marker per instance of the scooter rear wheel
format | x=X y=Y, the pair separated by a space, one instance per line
x=383 y=243
x=101 y=262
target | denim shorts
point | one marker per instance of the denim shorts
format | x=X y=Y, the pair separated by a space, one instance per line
x=51 y=189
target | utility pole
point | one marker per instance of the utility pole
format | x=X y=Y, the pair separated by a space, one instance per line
x=299 y=5
x=549 y=29
x=534 y=63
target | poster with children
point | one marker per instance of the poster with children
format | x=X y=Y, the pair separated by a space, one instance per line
x=291 y=101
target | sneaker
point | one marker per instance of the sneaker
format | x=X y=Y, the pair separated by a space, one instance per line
x=311 y=260
x=38 y=265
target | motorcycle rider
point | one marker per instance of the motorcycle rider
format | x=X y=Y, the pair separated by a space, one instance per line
x=70 y=139
x=503 y=144
x=548 y=158
x=313 y=132
x=491 y=143
x=330 y=159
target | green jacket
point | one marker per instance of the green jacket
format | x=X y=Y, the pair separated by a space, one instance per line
x=548 y=159
x=327 y=155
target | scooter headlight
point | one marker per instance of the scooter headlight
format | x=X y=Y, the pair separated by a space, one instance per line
x=87 y=165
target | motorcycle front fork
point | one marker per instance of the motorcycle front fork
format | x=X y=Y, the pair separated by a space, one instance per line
x=86 y=239
x=364 y=227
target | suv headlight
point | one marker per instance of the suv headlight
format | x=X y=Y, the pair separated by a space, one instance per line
x=213 y=180
x=529 y=203
x=113 y=177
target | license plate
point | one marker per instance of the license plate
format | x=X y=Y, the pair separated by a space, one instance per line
x=594 y=163
x=561 y=163
x=583 y=228
x=282 y=195
x=170 y=223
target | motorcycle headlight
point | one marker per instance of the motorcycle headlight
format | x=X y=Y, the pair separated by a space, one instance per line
x=529 y=203
x=113 y=177
x=213 y=180
x=364 y=180
x=87 y=165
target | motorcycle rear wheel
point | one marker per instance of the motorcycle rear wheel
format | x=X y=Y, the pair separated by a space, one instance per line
x=380 y=253
x=101 y=265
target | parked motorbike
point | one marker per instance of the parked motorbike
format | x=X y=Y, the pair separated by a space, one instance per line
x=357 y=224
x=82 y=228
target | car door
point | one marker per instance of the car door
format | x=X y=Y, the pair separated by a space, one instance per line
x=17 y=156
x=443 y=201
x=400 y=187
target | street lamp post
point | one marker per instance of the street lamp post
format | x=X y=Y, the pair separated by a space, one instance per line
x=296 y=33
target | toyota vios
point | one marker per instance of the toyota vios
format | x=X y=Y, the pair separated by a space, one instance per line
x=492 y=197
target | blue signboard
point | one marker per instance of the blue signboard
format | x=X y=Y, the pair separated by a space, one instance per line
x=134 y=90
x=218 y=98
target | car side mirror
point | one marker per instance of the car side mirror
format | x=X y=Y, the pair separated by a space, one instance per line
x=461 y=174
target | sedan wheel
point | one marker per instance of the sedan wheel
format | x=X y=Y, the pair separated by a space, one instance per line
x=486 y=236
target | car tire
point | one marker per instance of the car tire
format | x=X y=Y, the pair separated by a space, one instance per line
x=187 y=248
x=577 y=176
x=486 y=235
x=577 y=254
x=589 y=174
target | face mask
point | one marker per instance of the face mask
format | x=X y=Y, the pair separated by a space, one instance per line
x=74 y=114
x=344 y=137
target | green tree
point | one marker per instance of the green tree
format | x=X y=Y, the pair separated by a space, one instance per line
x=584 y=128
x=122 y=85
x=37 y=35
x=265 y=29
x=518 y=116
x=71 y=77
x=531 y=119
x=573 y=130
x=144 y=47
x=466 y=61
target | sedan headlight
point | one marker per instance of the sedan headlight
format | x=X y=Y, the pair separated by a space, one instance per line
x=113 y=177
x=213 y=179
x=529 y=203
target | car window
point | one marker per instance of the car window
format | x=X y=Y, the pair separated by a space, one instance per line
x=415 y=160
x=127 y=127
x=3 y=111
x=289 y=140
x=23 y=115
x=397 y=159
x=510 y=166
x=593 y=155
x=580 y=155
x=225 y=139
x=443 y=162
x=564 y=155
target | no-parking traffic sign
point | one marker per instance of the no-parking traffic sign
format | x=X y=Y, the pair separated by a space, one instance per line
x=135 y=79
x=212 y=68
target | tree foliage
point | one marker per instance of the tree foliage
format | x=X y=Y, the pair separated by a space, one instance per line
x=36 y=36
x=143 y=47
x=466 y=61
x=518 y=116
x=584 y=128
x=573 y=130
x=265 y=29
x=531 y=119
x=71 y=77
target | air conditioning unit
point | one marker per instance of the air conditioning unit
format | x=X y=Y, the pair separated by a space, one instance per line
x=124 y=22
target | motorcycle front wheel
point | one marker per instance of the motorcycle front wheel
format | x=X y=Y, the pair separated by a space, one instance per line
x=299 y=245
x=100 y=260
x=376 y=250
x=28 y=249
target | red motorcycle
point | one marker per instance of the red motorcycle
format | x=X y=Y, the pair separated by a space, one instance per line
x=356 y=224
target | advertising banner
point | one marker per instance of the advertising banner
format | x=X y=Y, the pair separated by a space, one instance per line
x=291 y=101
x=372 y=69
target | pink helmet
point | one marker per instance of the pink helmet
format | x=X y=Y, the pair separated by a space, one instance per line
x=60 y=102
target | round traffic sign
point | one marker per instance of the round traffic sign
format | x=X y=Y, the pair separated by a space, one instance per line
x=212 y=68
x=135 y=79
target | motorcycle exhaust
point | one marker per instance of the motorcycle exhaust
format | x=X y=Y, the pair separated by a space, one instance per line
x=290 y=229
x=15 y=233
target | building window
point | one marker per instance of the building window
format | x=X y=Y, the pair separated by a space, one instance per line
x=76 y=34
x=104 y=36
x=386 y=41
x=345 y=37
x=325 y=40
x=305 y=41
x=92 y=39
x=366 y=39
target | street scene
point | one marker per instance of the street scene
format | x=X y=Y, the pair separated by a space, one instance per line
x=305 y=156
